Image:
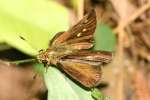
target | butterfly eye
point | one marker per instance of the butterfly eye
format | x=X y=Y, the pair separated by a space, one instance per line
x=45 y=62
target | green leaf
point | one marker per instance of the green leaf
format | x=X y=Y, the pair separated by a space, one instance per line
x=35 y=20
x=104 y=38
x=75 y=4
x=62 y=88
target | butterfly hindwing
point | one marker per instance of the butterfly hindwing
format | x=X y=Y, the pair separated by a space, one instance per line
x=85 y=73
x=88 y=55
x=84 y=66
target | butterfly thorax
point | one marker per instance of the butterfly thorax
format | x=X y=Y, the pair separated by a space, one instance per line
x=53 y=54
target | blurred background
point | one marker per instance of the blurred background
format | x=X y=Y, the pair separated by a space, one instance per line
x=26 y=26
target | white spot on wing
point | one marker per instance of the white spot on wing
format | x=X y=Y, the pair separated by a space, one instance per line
x=79 y=34
x=84 y=30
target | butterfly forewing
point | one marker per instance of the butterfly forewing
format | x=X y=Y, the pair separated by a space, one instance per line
x=55 y=38
x=84 y=29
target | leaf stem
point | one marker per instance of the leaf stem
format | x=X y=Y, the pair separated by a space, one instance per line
x=23 y=61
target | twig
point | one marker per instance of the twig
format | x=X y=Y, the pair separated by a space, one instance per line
x=141 y=89
x=137 y=13
x=80 y=9
x=143 y=53
x=145 y=39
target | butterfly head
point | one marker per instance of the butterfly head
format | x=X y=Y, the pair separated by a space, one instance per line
x=43 y=57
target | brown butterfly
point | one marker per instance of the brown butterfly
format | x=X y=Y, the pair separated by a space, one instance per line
x=69 y=51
